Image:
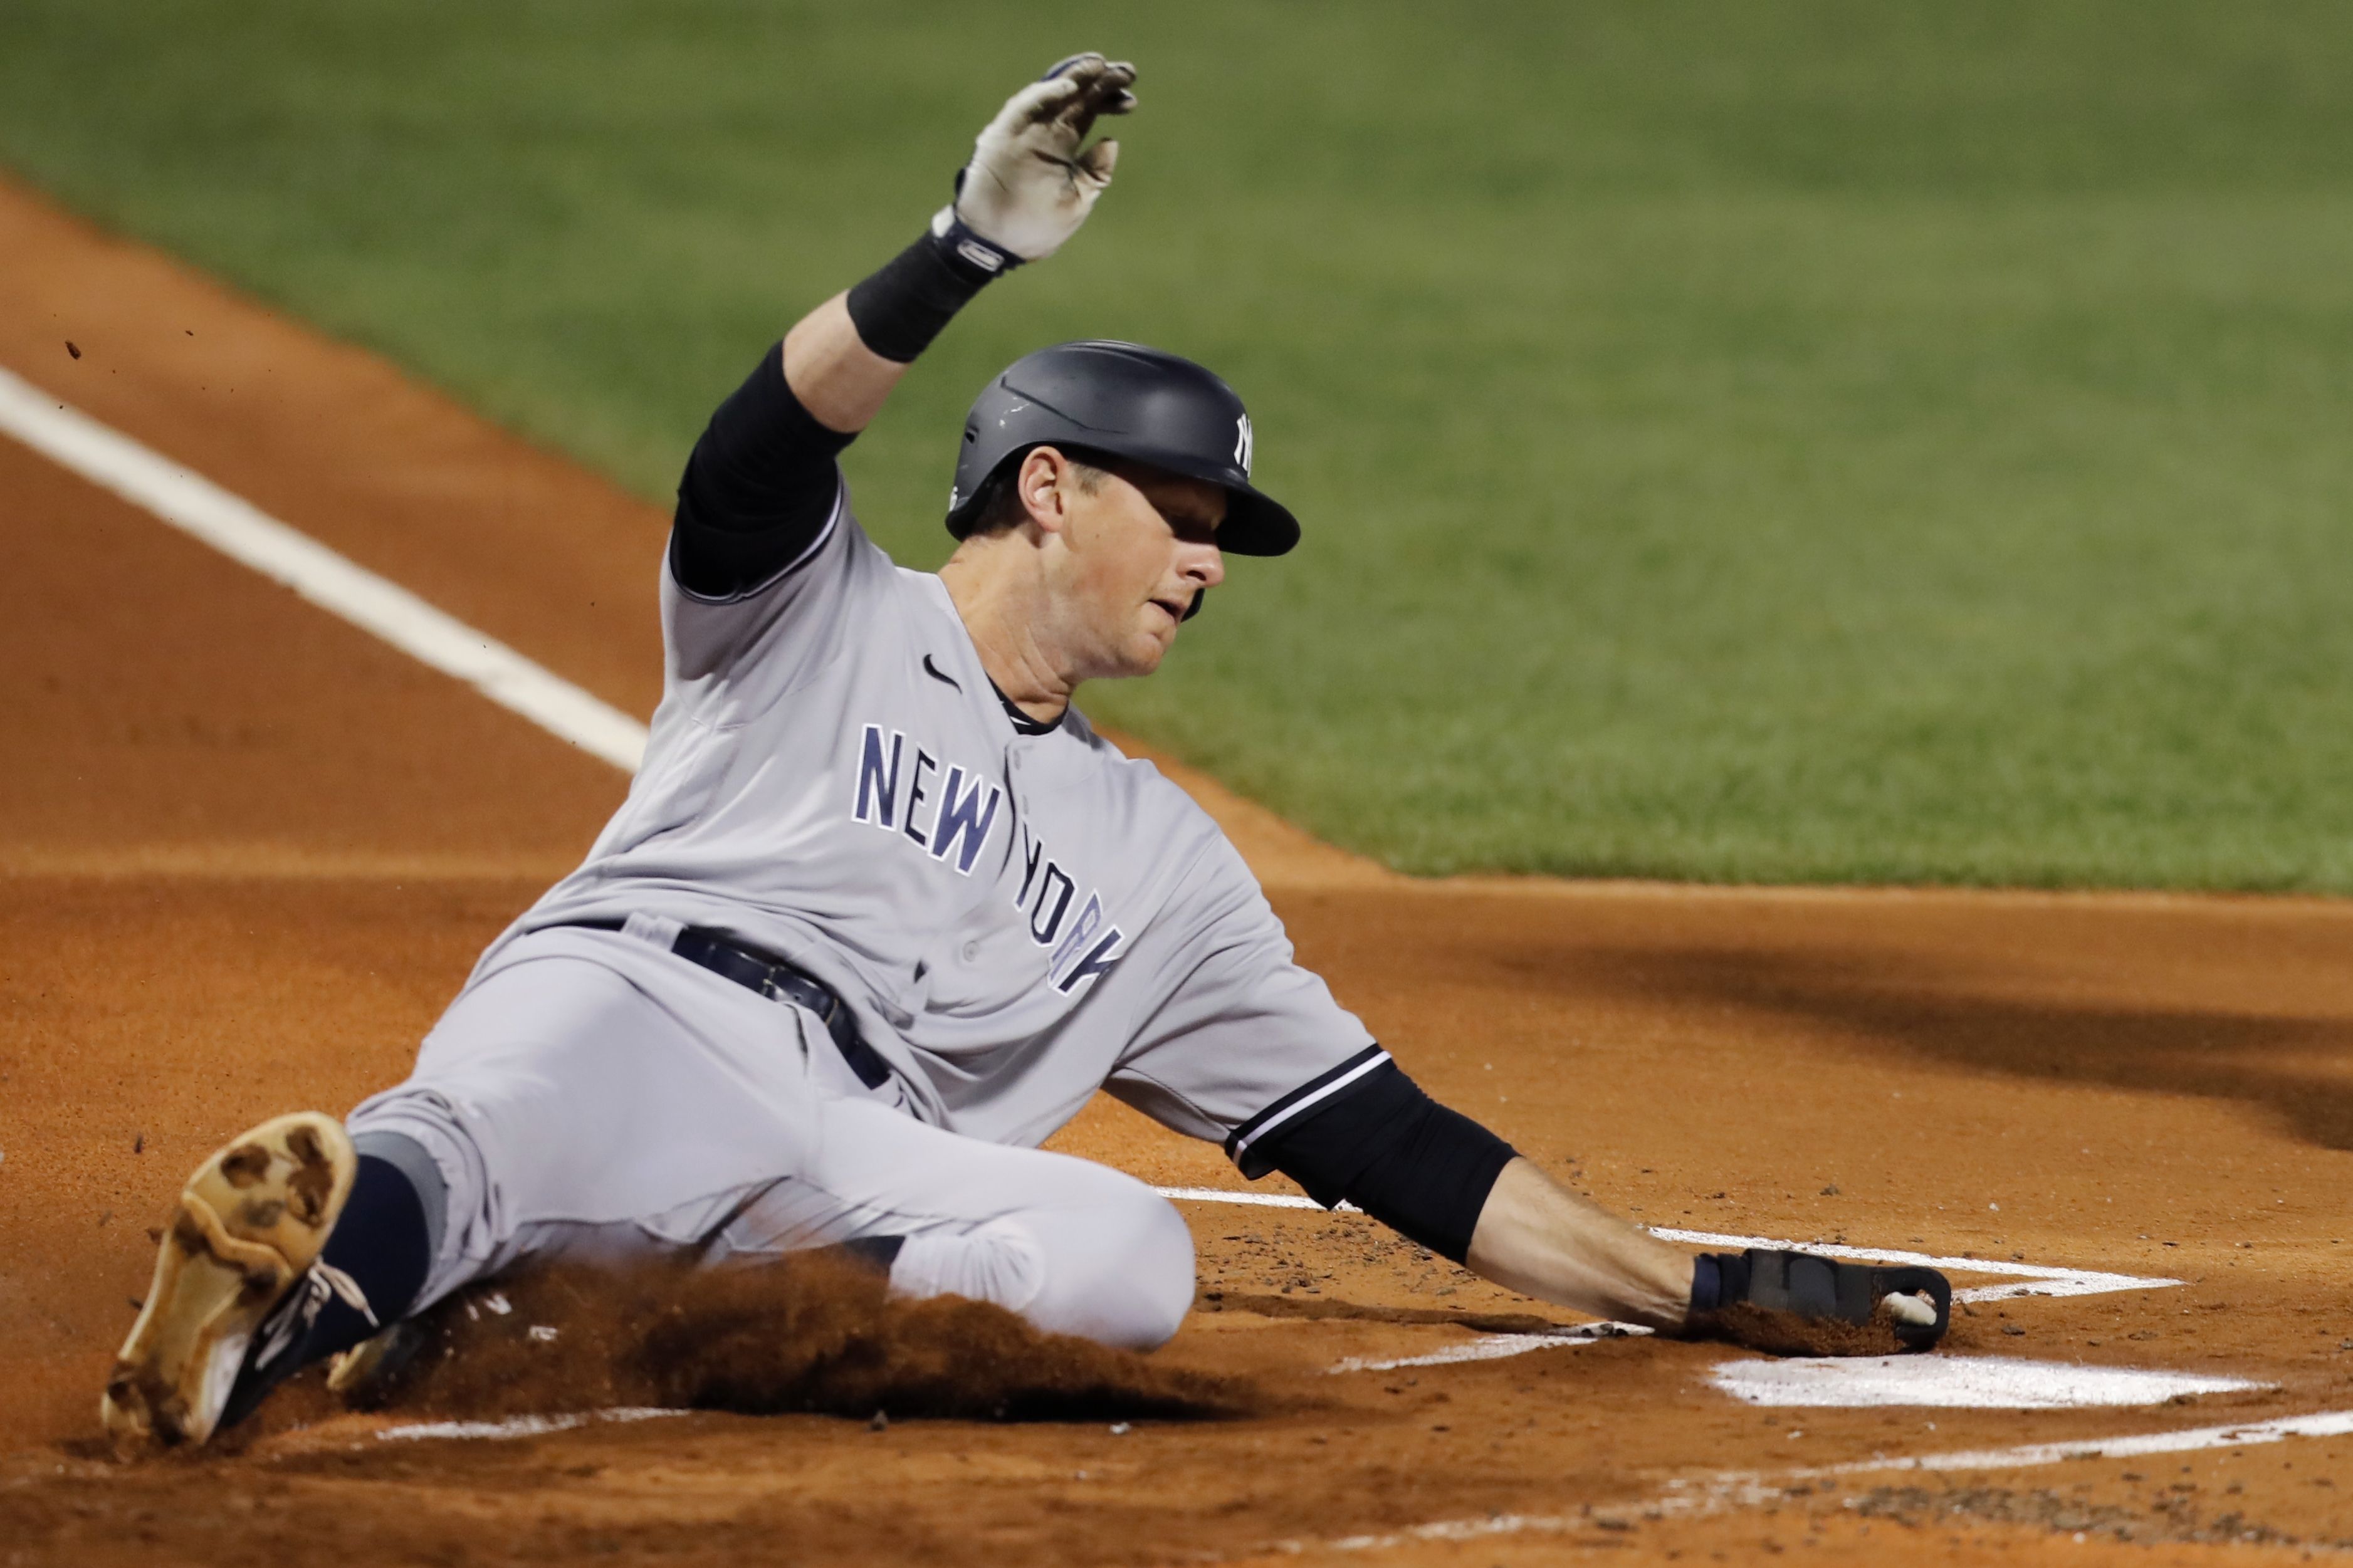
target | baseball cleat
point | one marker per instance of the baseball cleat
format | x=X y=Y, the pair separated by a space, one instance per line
x=251 y=1222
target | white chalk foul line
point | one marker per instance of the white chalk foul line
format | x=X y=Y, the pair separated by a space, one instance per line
x=242 y=531
x=1248 y=1200
x=2050 y=1280
x=2047 y=1280
x=2325 y=1424
x=515 y=1426
x=1495 y=1347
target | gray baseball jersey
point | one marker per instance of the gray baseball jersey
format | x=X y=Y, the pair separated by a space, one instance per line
x=1017 y=919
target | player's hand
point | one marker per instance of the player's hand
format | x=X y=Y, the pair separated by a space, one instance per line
x=1796 y=1303
x=1032 y=180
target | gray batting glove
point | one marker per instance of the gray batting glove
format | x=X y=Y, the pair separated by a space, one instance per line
x=1032 y=181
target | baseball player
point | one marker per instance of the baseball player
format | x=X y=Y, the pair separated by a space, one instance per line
x=882 y=911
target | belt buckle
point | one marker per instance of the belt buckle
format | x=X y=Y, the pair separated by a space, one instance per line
x=785 y=984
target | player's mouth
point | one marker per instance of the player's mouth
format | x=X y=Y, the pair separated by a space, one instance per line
x=1173 y=608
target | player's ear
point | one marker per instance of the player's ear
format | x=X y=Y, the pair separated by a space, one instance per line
x=1042 y=483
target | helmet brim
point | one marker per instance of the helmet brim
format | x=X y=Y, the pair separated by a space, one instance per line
x=1255 y=522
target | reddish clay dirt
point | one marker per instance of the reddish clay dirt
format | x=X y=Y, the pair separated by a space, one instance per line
x=248 y=853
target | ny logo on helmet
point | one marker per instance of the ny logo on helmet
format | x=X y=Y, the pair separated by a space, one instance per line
x=1242 y=444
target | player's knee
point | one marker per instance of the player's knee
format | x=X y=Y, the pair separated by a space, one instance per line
x=1161 y=1270
x=1123 y=1271
x=1111 y=1263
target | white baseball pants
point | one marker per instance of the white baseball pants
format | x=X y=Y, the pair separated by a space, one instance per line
x=594 y=1095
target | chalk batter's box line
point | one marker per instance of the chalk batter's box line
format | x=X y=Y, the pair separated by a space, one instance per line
x=2043 y=1280
x=1711 y=1494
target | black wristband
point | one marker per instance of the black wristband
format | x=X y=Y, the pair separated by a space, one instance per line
x=899 y=310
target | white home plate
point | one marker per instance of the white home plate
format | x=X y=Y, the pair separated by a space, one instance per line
x=1988 y=1382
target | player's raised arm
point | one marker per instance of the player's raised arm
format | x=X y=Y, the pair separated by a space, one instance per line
x=761 y=484
x=1031 y=183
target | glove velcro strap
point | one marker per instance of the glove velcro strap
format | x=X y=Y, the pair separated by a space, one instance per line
x=982 y=258
x=1808 y=1286
x=1813 y=1286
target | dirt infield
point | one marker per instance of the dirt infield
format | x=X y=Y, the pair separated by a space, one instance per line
x=249 y=853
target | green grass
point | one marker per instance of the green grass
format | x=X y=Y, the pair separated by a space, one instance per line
x=1810 y=441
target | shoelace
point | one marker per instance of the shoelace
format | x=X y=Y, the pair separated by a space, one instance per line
x=320 y=1283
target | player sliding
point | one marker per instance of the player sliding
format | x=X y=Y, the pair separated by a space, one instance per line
x=882 y=911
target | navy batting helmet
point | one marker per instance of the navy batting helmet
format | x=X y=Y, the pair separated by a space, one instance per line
x=1126 y=401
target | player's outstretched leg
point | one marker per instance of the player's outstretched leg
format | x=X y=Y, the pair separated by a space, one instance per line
x=279 y=1243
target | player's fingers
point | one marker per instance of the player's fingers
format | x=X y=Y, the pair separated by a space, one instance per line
x=1910 y=1310
x=1036 y=104
x=1080 y=119
x=1094 y=165
x=1106 y=92
x=1076 y=118
x=1103 y=90
x=1069 y=63
x=1081 y=75
x=1919 y=1303
x=1112 y=95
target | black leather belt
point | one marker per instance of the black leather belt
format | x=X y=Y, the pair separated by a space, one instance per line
x=778 y=981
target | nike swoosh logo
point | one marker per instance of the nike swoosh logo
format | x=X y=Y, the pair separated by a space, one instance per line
x=934 y=672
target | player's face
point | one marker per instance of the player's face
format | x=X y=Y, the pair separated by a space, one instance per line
x=1137 y=549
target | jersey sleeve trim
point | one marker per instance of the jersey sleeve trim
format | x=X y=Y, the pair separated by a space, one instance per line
x=1314 y=1092
x=832 y=523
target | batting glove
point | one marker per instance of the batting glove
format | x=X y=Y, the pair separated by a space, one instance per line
x=1916 y=1304
x=1030 y=185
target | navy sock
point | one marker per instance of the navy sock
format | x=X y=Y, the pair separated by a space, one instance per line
x=381 y=1243
x=378 y=1253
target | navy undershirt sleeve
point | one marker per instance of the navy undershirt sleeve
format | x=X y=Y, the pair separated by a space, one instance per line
x=758 y=490
x=762 y=483
x=1386 y=1147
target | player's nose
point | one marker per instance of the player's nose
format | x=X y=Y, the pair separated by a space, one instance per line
x=1205 y=566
